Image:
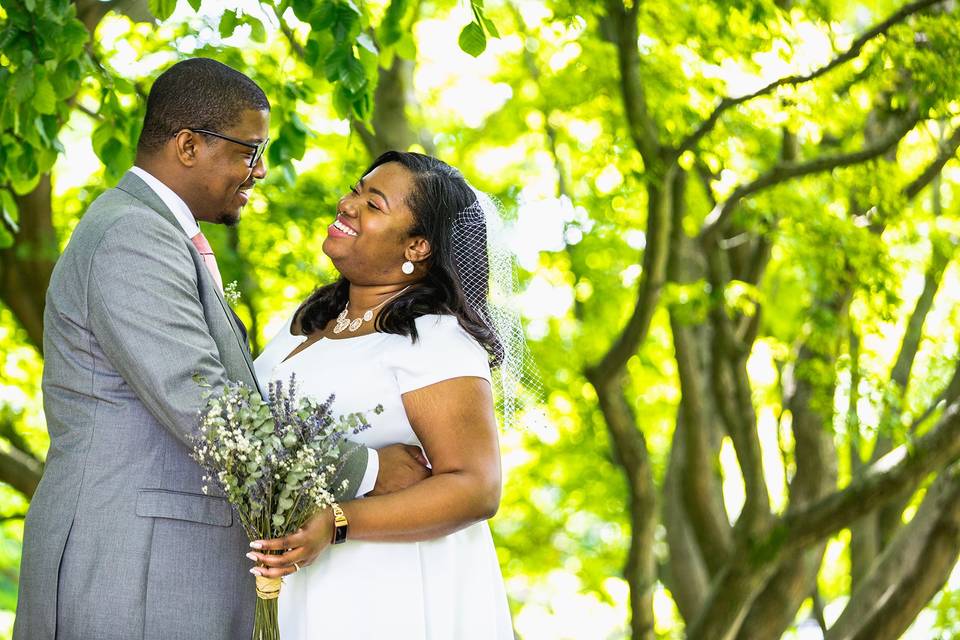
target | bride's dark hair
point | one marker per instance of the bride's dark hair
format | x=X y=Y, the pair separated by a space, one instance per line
x=438 y=195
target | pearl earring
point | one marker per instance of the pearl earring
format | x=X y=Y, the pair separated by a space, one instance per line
x=407 y=267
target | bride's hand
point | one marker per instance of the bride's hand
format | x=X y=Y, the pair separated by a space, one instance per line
x=298 y=549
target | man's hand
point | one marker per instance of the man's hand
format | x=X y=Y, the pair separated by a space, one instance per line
x=401 y=465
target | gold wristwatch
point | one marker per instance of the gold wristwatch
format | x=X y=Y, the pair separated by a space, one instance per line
x=339 y=524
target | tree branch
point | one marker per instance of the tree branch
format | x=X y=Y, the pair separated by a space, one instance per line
x=948 y=150
x=20 y=471
x=624 y=28
x=852 y=52
x=899 y=606
x=651 y=282
x=896 y=560
x=734 y=589
x=631 y=453
x=733 y=397
x=721 y=213
x=688 y=579
x=900 y=469
x=700 y=484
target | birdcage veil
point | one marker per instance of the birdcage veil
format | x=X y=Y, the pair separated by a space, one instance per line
x=487 y=270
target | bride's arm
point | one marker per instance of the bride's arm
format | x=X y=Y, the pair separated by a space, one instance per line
x=454 y=420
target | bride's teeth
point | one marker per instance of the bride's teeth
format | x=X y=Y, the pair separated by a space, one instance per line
x=345 y=229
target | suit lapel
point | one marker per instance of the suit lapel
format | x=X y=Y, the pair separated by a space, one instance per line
x=132 y=184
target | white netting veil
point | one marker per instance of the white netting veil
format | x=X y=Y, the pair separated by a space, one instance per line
x=487 y=270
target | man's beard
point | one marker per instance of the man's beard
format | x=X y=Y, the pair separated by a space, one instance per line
x=229 y=219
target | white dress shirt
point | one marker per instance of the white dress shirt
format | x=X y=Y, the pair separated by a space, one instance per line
x=190 y=227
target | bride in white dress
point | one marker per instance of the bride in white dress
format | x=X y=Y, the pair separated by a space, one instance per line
x=396 y=330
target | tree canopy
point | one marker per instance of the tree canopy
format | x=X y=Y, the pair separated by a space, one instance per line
x=737 y=227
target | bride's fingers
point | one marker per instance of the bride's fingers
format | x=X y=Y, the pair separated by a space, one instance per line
x=278 y=572
x=276 y=544
x=292 y=541
x=284 y=560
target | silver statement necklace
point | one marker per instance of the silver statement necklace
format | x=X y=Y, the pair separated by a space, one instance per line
x=345 y=323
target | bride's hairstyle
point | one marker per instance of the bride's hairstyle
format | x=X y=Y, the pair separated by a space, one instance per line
x=440 y=194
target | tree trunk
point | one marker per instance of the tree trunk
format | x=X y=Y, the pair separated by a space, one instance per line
x=25 y=267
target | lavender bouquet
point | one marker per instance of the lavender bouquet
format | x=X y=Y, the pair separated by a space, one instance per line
x=275 y=460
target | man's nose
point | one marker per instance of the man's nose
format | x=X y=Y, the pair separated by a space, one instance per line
x=260 y=169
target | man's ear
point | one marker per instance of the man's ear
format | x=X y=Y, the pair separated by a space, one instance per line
x=418 y=250
x=186 y=146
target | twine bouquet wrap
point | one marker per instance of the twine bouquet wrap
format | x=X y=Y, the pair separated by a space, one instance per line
x=276 y=462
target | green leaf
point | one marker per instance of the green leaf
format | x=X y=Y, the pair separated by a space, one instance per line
x=22 y=85
x=391 y=28
x=258 y=32
x=352 y=74
x=228 y=22
x=44 y=97
x=101 y=136
x=364 y=40
x=473 y=40
x=303 y=9
x=72 y=40
x=195 y=4
x=162 y=9
x=6 y=239
x=11 y=213
x=491 y=28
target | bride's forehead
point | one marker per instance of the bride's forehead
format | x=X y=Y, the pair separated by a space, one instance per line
x=391 y=174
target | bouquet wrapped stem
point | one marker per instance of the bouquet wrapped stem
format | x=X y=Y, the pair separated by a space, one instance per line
x=275 y=461
x=266 y=623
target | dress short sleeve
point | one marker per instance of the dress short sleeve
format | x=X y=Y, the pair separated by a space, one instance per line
x=443 y=351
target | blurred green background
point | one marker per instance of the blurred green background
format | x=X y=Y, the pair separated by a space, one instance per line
x=736 y=224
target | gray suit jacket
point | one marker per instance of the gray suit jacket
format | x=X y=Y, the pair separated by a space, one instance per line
x=120 y=542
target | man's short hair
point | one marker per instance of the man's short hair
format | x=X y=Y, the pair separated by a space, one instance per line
x=199 y=93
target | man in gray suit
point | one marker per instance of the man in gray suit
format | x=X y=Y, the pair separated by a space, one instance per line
x=120 y=542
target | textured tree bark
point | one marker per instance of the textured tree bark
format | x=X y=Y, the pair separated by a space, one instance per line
x=25 y=267
x=734 y=589
x=20 y=470
x=775 y=607
x=391 y=123
x=700 y=483
x=631 y=453
x=900 y=605
x=898 y=559
x=732 y=396
x=686 y=573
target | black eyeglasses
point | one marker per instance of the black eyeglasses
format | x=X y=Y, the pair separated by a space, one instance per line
x=258 y=149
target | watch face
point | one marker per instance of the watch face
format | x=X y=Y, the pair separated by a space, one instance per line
x=340 y=534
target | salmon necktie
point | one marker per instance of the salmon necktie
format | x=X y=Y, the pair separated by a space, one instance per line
x=203 y=247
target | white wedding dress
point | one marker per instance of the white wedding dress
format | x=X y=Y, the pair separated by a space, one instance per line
x=449 y=588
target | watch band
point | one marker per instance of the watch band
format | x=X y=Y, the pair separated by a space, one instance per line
x=340 y=524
